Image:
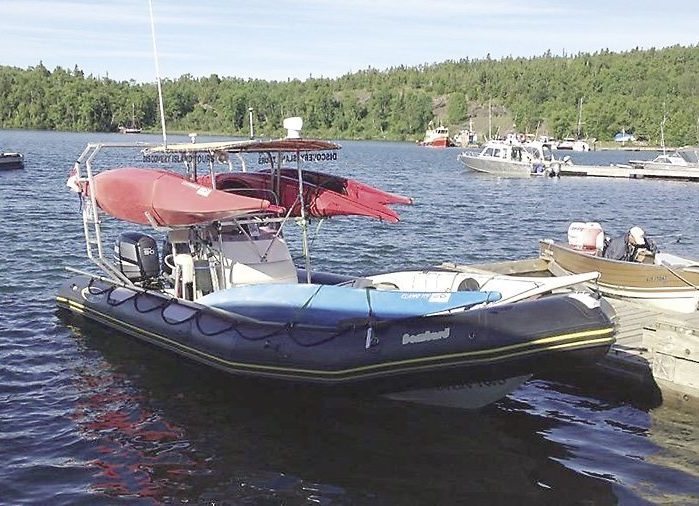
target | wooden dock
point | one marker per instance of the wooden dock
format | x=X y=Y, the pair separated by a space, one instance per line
x=629 y=172
x=654 y=349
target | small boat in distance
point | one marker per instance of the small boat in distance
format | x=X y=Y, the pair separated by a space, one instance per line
x=624 y=137
x=573 y=144
x=512 y=158
x=437 y=137
x=132 y=128
x=466 y=136
x=11 y=161
x=683 y=158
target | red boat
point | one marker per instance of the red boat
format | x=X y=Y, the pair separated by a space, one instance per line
x=321 y=202
x=437 y=137
x=351 y=188
x=132 y=194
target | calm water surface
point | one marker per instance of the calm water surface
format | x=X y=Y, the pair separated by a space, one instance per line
x=89 y=416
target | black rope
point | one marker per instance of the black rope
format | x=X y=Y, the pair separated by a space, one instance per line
x=172 y=302
x=290 y=329
x=92 y=290
x=322 y=341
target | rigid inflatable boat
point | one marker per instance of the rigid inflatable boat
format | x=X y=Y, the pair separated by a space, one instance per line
x=225 y=292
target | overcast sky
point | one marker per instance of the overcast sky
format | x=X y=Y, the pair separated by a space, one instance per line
x=280 y=39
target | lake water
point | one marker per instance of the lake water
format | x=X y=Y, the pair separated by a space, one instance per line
x=89 y=416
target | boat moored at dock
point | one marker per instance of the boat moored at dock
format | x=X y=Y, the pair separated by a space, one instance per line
x=225 y=292
x=685 y=159
x=573 y=144
x=662 y=280
x=512 y=159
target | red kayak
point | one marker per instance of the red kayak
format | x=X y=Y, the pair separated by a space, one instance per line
x=357 y=191
x=129 y=193
x=320 y=202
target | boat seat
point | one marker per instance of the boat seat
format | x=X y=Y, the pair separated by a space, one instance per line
x=468 y=285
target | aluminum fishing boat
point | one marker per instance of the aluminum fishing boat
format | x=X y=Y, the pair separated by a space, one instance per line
x=659 y=279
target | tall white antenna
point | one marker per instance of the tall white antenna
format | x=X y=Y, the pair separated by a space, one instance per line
x=662 y=129
x=580 y=117
x=157 y=73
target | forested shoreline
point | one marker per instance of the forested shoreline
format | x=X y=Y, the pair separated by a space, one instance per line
x=631 y=91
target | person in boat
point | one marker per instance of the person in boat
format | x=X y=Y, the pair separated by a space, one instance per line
x=633 y=246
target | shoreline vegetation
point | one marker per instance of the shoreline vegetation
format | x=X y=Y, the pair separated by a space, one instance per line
x=635 y=92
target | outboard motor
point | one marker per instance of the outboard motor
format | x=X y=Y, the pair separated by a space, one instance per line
x=136 y=256
x=586 y=237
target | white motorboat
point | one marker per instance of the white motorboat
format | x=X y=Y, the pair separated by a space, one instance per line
x=510 y=158
x=10 y=161
x=683 y=158
x=572 y=144
x=466 y=136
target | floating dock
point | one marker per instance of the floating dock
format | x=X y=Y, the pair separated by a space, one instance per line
x=654 y=349
x=630 y=172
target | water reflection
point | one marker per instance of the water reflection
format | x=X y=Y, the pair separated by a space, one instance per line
x=609 y=437
x=171 y=430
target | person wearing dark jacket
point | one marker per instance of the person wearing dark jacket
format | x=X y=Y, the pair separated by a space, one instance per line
x=628 y=246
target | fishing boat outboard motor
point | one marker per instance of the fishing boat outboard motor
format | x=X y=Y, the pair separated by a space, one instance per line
x=136 y=256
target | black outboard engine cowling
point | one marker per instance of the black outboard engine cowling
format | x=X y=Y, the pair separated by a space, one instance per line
x=136 y=256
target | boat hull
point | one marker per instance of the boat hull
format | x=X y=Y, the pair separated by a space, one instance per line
x=472 y=395
x=662 y=286
x=497 y=167
x=379 y=357
x=438 y=143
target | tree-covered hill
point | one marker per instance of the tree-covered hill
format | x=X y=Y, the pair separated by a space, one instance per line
x=632 y=91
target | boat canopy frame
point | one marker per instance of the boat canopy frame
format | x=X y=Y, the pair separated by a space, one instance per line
x=218 y=152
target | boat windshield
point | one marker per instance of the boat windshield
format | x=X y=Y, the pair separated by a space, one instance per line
x=690 y=155
x=543 y=153
x=670 y=159
x=494 y=151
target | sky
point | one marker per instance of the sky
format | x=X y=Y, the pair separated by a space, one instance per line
x=298 y=39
